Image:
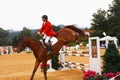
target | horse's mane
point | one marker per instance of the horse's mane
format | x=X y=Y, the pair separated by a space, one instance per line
x=37 y=41
x=73 y=27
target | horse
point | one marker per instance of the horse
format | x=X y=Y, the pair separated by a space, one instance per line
x=66 y=35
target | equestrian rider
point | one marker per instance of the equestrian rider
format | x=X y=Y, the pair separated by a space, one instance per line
x=48 y=32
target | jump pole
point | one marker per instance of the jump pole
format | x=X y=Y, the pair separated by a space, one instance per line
x=63 y=58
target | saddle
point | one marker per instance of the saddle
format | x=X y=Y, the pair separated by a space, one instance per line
x=52 y=41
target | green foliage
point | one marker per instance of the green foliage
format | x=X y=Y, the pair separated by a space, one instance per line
x=84 y=41
x=3 y=37
x=26 y=32
x=111 y=59
x=115 y=8
x=99 y=23
x=114 y=19
x=55 y=62
x=15 y=41
x=72 y=43
x=56 y=28
x=107 y=21
x=36 y=37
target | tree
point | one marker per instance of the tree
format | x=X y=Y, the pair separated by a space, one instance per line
x=3 y=37
x=114 y=19
x=111 y=59
x=15 y=41
x=26 y=32
x=107 y=21
x=99 y=23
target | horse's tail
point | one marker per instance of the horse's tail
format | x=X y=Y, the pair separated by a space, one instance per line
x=73 y=27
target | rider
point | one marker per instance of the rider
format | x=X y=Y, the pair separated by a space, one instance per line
x=48 y=32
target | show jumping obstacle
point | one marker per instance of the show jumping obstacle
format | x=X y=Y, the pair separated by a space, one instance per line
x=76 y=65
x=94 y=57
x=66 y=35
x=67 y=65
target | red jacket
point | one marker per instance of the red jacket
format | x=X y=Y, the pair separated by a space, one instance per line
x=47 y=29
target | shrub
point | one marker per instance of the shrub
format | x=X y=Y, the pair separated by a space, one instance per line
x=111 y=59
x=55 y=62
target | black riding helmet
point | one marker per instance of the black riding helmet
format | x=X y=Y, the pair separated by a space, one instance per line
x=45 y=16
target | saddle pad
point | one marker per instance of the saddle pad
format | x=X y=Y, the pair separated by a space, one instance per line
x=53 y=40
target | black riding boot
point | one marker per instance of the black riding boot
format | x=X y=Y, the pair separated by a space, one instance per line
x=44 y=43
x=49 y=47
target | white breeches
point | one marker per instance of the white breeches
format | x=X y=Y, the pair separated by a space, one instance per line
x=52 y=39
x=47 y=38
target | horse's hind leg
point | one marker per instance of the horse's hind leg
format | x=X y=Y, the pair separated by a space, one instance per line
x=35 y=68
x=45 y=69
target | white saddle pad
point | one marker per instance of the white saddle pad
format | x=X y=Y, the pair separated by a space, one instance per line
x=53 y=40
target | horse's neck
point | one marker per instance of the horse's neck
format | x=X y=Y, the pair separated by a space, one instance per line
x=34 y=45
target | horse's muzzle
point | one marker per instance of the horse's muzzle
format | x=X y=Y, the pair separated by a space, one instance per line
x=18 y=51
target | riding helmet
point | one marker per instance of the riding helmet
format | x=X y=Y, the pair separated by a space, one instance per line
x=45 y=16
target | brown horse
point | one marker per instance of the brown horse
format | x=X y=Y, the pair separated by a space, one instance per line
x=66 y=35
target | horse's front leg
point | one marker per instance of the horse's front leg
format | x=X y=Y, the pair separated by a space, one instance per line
x=45 y=69
x=35 y=68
